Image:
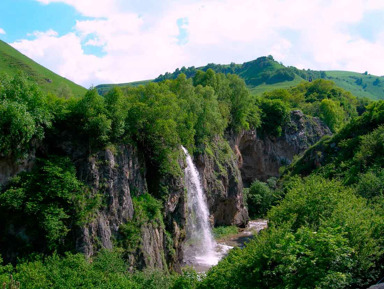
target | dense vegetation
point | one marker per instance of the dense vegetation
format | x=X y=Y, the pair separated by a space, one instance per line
x=43 y=208
x=106 y=270
x=323 y=99
x=325 y=229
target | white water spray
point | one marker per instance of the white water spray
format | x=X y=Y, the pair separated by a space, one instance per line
x=200 y=246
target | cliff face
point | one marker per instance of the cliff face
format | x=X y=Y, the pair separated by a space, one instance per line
x=118 y=176
x=10 y=167
x=222 y=182
x=114 y=176
x=260 y=157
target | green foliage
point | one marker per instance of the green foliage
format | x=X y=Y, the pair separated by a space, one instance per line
x=12 y=284
x=274 y=114
x=331 y=113
x=259 y=199
x=90 y=117
x=106 y=270
x=114 y=104
x=279 y=258
x=146 y=210
x=45 y=204
x=265 y=74
x=320 y=236
x=371 y=184
x=320 y=98
x=187 y=280
x=355 y=150
x=224 y=231
x=24 y=116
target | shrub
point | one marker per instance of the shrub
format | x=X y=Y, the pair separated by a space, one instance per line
x=259 y=198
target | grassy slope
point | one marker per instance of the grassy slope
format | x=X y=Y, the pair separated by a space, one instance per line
x=260 y=89
x=347 y=80
x=12 y=62
x=104 y=88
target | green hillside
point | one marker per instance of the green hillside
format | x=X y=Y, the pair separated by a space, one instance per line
x=104 y=88
x=265 y=74
x=13 y=62
x=359 y=84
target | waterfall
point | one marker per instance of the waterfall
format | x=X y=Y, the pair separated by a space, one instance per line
x=200 y=246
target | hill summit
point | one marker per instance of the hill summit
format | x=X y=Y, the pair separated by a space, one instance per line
x=265 y=74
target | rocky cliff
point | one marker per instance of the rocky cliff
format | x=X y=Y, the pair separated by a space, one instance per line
x=223 y=184
x=120 y=174
x=261 y=156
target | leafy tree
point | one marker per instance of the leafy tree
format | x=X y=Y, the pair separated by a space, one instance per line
x=91 y=117
x=274 y=114
x=331 y=113
x=24 y=116
x=116 y=110
x=259 y=199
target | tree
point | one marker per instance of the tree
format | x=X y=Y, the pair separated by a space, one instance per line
x=274 y=114
x=332 y=114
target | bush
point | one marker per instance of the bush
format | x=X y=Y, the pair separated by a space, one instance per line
x=24 y=116
x=106 y=270
x=320 y=236
x=274 y=114
x=45 y=204
x=259 y=198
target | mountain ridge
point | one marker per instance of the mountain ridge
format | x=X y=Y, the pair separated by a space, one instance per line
x=265 y=74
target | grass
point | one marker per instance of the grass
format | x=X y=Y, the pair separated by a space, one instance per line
x=13 y=62
x=104 y=88
x=260 y=89
x=224 y=231
x=350 y=81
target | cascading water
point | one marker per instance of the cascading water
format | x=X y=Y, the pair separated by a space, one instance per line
x=200 y=248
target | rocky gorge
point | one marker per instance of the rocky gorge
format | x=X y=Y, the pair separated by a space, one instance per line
x=119 y=174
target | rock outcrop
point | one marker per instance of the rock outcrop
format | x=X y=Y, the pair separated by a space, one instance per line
x=114 y=176
x=260 y=157
x=119 y=176
x=9 y=166
x=223 y=185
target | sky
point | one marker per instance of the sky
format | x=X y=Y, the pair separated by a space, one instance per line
x=93 y=42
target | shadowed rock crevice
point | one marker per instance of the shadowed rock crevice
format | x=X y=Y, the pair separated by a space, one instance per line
x=261 y=157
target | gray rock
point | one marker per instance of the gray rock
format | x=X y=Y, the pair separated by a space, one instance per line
x=222 y=181
x=114 y=176
x=261 y=157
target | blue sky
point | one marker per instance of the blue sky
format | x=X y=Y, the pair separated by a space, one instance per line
x=110 y=41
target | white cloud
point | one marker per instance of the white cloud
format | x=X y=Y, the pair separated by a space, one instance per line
x=2 y=31
x=137 y=45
